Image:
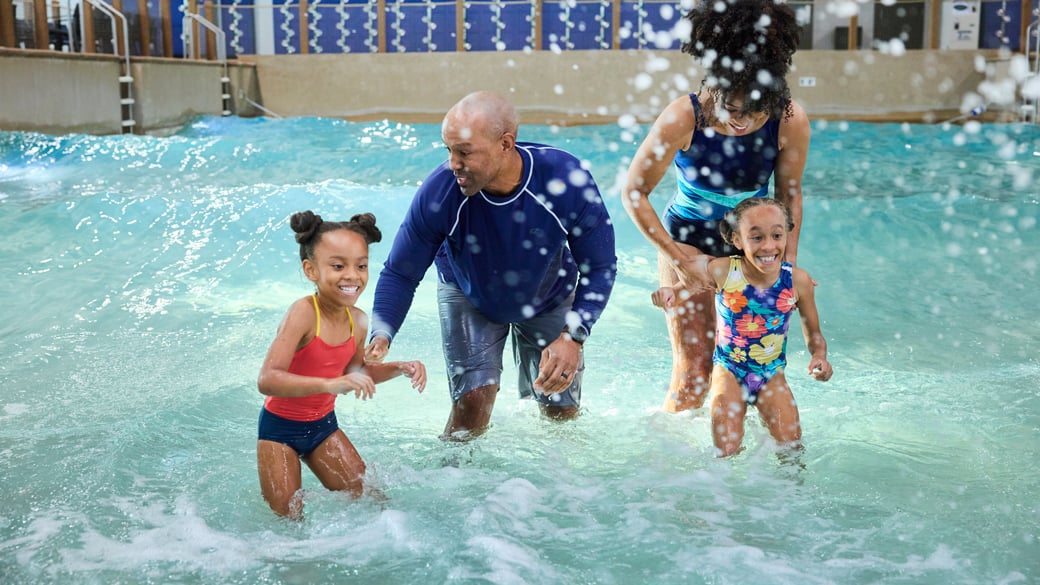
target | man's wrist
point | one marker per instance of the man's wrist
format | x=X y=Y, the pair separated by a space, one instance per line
x=381 y=333
x=577 y=335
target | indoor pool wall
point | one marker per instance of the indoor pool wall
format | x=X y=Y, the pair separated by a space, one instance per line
x=580 y=87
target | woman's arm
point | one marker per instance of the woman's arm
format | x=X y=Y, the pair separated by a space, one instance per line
x=710 y=274
x=790 y=166
x=671 y=132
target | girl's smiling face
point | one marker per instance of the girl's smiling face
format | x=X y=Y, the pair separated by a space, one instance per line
x=762 y=237
x=339 y=267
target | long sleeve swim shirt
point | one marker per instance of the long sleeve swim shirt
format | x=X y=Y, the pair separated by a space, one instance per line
x=513 y=257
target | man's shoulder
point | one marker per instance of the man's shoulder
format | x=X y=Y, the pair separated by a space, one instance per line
x=539 y=150
x=551 y=162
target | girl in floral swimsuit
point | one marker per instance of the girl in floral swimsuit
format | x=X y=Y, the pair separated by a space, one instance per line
x=755 y=295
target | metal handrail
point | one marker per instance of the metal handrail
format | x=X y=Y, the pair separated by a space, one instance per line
x=189 y=37
x=113 y=14
x=189 y=50
x=127 y=77
x=1033 y=32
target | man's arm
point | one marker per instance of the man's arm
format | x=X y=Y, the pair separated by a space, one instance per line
x=411 y=255
x=591 y=242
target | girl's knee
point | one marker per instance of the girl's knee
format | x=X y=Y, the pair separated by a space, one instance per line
x=286 y=505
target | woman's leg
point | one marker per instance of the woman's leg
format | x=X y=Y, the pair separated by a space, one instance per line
x=279 y=468
x=777 y=408
x=727 y=412
x=338 y=465
x=691 y=329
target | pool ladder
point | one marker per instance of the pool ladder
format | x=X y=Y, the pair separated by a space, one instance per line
x=126 y=78
x=188 y=26
x=1030 y=107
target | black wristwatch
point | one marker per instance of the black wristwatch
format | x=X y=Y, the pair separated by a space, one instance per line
x=578 y=335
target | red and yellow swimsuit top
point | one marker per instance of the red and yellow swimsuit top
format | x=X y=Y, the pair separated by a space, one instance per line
x=320 y=360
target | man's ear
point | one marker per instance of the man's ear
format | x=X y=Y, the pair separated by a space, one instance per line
x=508 y=141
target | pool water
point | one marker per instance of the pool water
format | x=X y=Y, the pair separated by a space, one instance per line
x=144 y=278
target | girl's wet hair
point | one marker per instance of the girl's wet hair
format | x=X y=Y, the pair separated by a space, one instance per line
x=309 y=227
x=730 y=224
x=746 y=47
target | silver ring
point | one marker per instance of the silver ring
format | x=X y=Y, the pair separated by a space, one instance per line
x=564 y=375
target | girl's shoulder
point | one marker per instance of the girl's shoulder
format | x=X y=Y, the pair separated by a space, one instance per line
x=302 y=306
x=360 y=317
x=301 y=319
x=801 y=279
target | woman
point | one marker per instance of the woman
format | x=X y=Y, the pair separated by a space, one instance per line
x=725 y=141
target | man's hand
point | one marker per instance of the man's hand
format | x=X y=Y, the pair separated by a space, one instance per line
x=558 y=365
x=377 y=349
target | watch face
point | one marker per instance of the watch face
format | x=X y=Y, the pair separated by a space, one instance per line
x=580 y=334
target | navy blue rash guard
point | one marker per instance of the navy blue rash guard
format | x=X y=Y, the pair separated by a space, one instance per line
x=513 y=257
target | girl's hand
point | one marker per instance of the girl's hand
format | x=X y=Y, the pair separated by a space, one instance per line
x=820 y=369
x=360 y=384
x=416 y=371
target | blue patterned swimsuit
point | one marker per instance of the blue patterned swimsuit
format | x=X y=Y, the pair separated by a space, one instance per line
x=751 y=327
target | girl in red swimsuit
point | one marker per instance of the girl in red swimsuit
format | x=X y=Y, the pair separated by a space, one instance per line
x=314 y=358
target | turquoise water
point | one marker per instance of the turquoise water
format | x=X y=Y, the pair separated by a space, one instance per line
x=144 y=278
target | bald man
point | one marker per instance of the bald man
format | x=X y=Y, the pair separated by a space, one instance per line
x=524 y=248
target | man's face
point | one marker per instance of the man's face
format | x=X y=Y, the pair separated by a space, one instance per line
x=474 y=156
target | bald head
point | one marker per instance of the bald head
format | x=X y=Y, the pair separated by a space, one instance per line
x=482 y=112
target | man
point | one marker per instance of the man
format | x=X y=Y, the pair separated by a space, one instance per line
x=523 y=246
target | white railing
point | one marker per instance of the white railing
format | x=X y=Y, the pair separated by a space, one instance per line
x=188 y=28
x=126 y=80
x=1031 y=86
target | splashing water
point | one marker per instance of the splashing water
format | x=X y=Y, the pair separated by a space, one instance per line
x=144 y=278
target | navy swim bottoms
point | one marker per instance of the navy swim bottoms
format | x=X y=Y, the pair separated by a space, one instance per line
x=302 y=436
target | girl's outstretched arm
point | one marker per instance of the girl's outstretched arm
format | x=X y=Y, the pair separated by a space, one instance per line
x=380 y=372
x=819 y=367
x=383 y=371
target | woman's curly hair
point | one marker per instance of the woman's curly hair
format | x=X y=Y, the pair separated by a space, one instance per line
x=746 y=47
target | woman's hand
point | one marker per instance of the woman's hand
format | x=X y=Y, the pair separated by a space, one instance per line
x=663 y=297
x=693 y=272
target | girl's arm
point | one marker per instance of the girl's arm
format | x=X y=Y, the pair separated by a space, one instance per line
x=819 y=367
x=295 y=331
x=790 y=166
x=382 y=371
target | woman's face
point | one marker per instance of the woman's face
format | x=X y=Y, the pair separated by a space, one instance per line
x=728 y=112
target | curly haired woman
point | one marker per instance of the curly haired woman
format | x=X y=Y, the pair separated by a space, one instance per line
x=726 y=141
